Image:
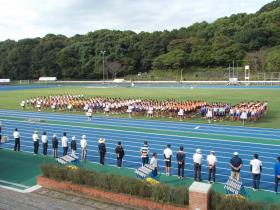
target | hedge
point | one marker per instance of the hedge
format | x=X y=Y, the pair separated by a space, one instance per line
x=120 y=184
x=159 y=193
x=222 y=202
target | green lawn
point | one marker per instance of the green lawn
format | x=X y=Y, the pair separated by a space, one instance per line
x=11 y=99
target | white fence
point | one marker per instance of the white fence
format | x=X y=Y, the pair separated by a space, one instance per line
x=2 y=81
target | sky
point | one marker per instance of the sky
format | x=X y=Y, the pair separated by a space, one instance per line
x=35 y=18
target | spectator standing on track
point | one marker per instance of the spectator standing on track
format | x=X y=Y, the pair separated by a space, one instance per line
x=64 y=141
x=197 y=159
x=35 y=138
x=256 y=169
x=211 y=161
x=120 y=154
x=154 y=163
x=17 y=140
x=277 y=174
x=45 y=143
x=73 y=145
x=144 y=151
x=181 y=162
x=236 y=164
x=84 y=147
x=55 y=146
x=102 y=150
x=167 y=154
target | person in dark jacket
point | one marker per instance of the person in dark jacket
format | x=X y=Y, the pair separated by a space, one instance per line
x=181 y=162
x=55 y=146
x=73 y=145
x=120 y=154
x=102 y=150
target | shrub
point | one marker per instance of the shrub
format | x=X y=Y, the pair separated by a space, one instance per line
x=221 y=202
x=161 y=193
x=120 y=184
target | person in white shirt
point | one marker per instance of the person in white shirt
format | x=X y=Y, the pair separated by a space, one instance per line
x=209 y=115
x=17 y=140
x=167 y=154
x=22 y=104
x=39 y=105
x=154 y=163
x=64 y=141
x=107 y=109
x=243 y=116
x=129 y=110
x=150 y=111
x=83 y=143
x=181 y=114
x=211 y=161
x=256 y=169
x=89 y=114
x=35 y=138
x=197 y=159
x=45 y=143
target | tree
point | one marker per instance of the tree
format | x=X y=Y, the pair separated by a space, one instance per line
x=272 y=62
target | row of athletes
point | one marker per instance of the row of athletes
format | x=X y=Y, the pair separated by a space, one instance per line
x=251 y=111
x=153 y=108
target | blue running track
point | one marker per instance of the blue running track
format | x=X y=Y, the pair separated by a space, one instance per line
x=132 y=133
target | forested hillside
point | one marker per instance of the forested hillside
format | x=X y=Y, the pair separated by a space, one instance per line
x=246 y=38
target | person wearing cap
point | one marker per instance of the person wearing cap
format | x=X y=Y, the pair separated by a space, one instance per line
x=102 y=150
x=236 y=164
x=73 y=145
x=45 y=143
x=197 y=159
x=120 y=154
x=55 y=146
x=211 y=161
x=64 y=142
x=256 y=169
x=277 y=174
x=167 y=154
x=35 y=138
x=17 y=140
x=144 y=151
x=181 y=162
x=154 y=164
x=83 y=143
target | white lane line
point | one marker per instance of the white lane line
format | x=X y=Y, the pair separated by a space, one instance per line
x=78 y=127
x=146 y=123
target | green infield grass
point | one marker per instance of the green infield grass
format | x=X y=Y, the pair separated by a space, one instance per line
x=12 y=99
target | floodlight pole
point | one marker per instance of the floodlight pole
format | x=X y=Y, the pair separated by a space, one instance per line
x=103 y=66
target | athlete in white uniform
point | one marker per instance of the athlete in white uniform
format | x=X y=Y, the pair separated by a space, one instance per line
x=209 y=115
x=107 y=109
x=129 y=110
x=181 y=114
x=22 y=104
x=89 y=114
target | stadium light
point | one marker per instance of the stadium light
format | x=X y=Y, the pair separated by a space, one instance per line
x=103 y=54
